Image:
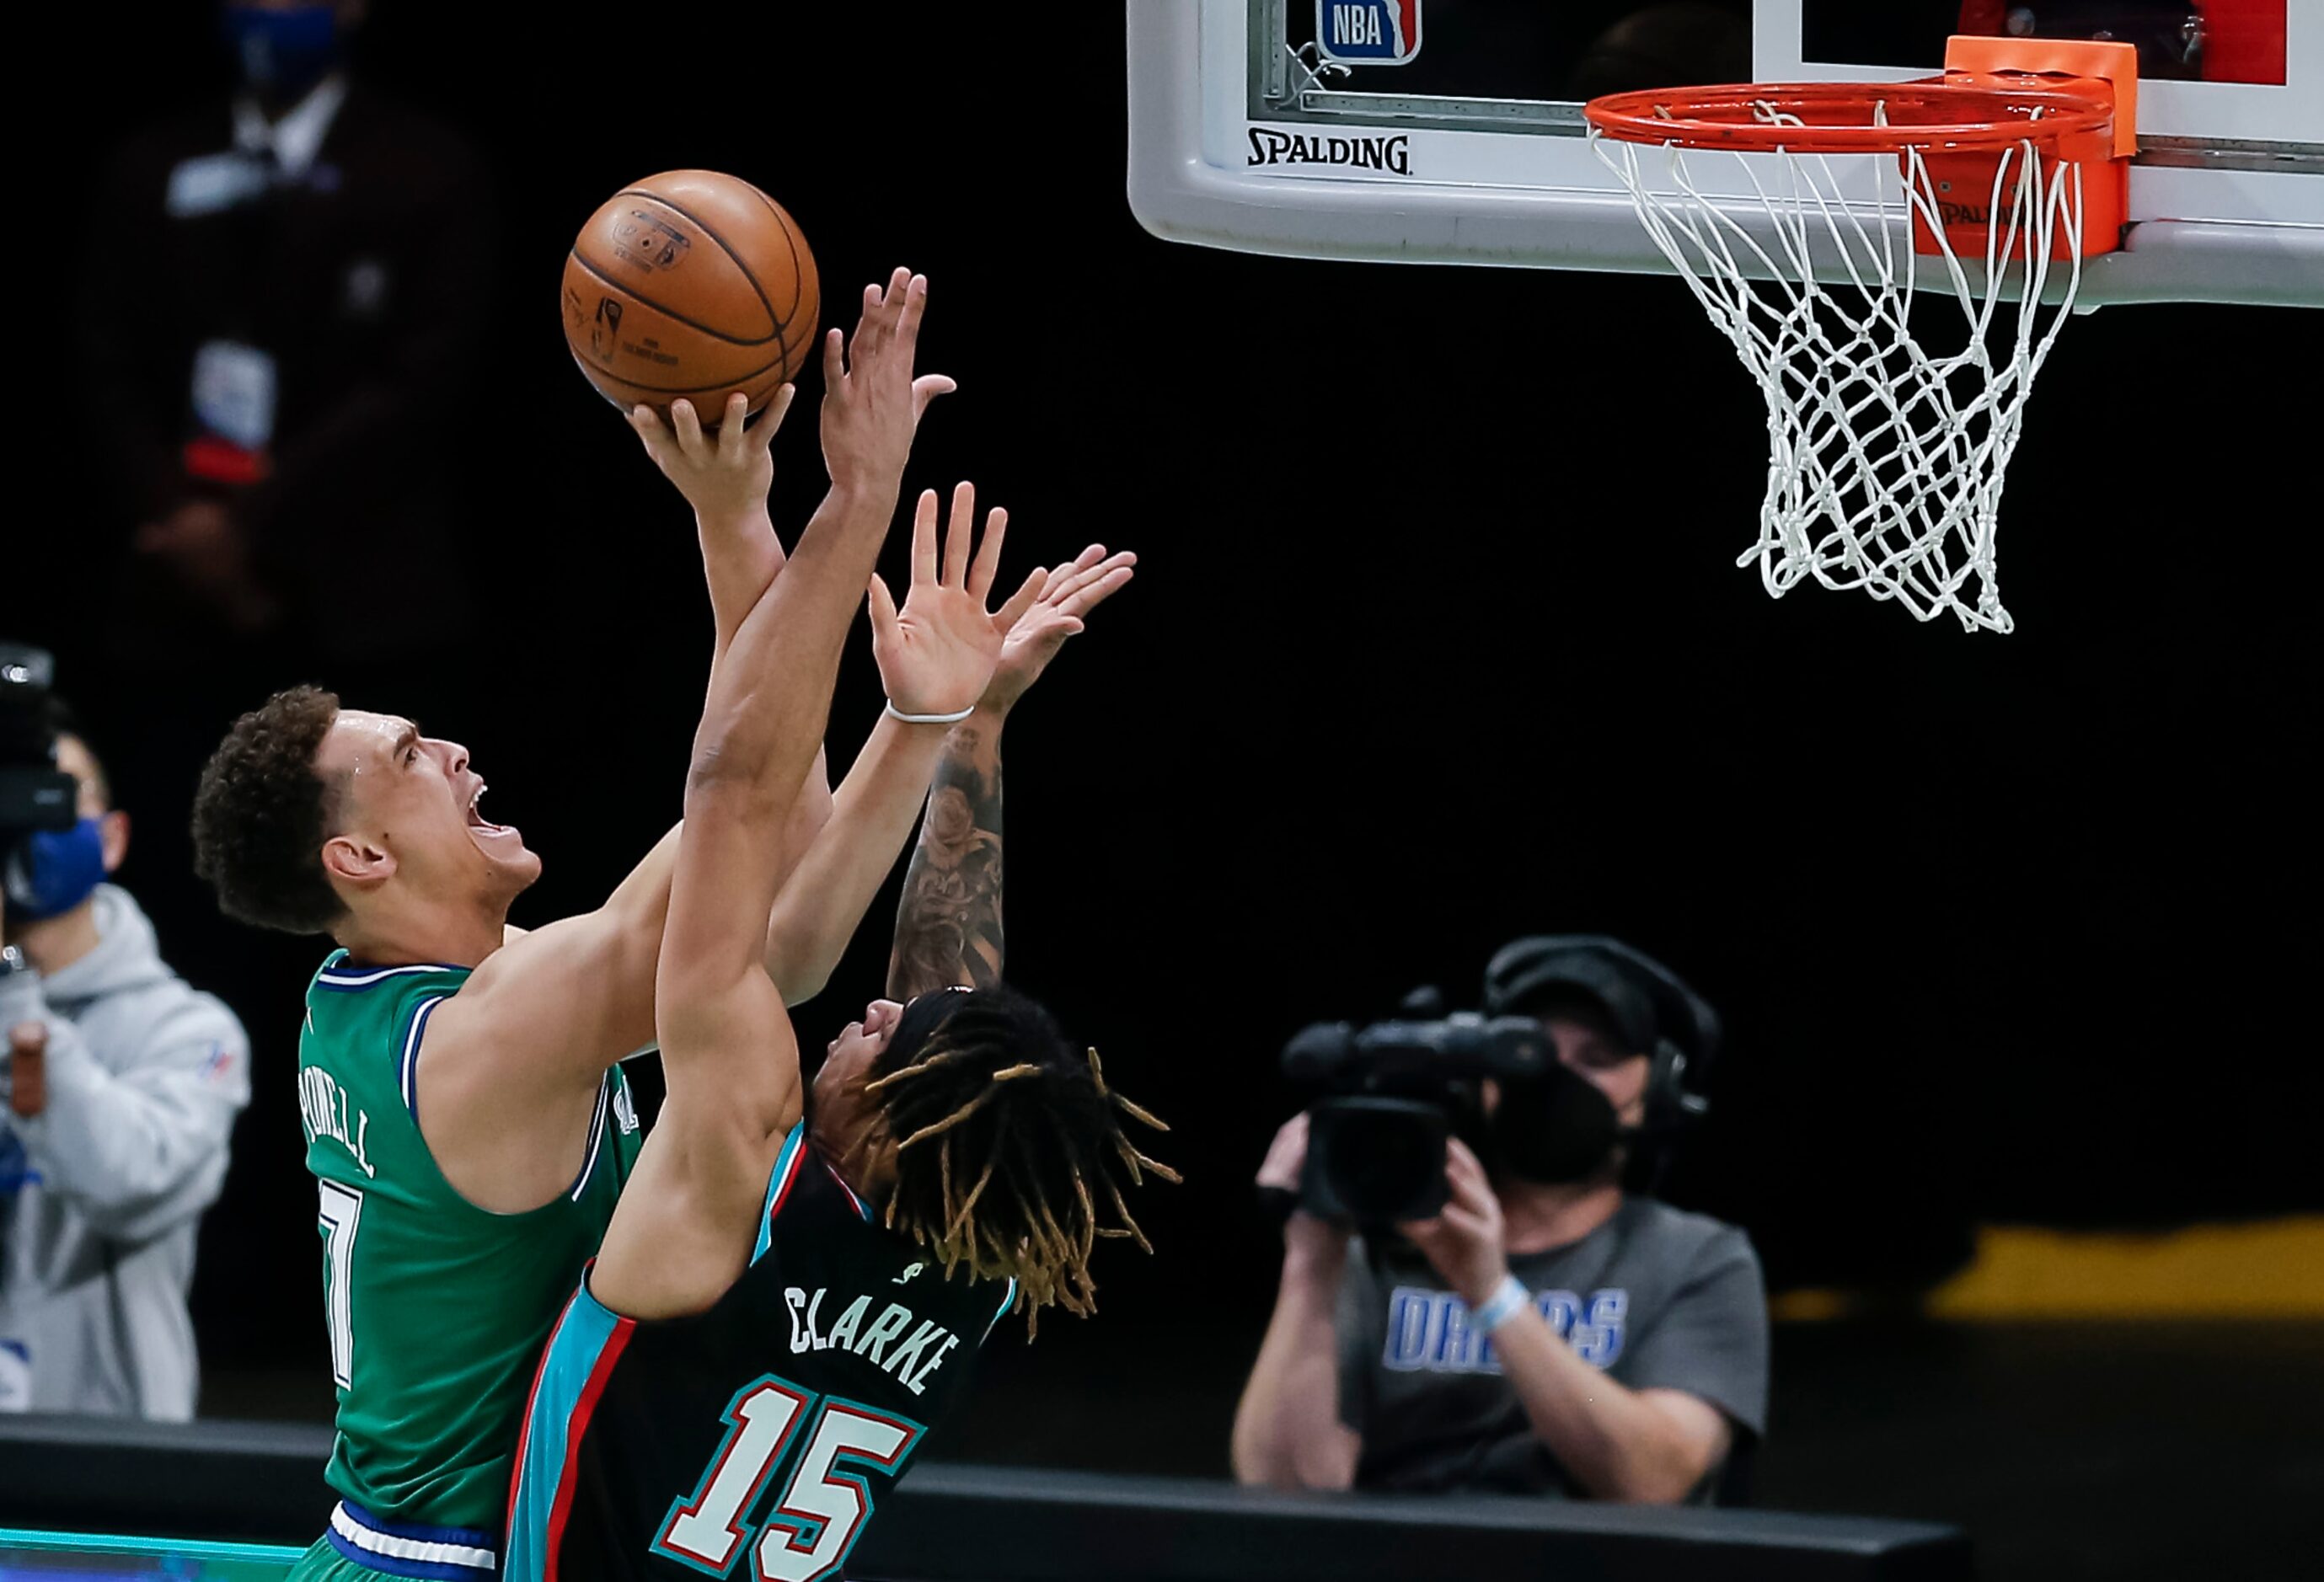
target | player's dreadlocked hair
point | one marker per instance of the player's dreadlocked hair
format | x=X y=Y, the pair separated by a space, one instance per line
x=1009 y=1147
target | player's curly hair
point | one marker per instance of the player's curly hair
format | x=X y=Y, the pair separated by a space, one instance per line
x=1010 y=1146
x=261 y=814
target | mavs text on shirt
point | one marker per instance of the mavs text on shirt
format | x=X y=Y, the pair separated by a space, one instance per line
x=1428 y=1331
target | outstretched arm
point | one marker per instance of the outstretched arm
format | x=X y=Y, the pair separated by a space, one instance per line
x=767 y=706
x=948 y=928
x=823 y=900
x=510 y=1072
x=728 y=1052
x=725 y=478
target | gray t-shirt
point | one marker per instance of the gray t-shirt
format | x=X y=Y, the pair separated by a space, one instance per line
x=1657 y=1298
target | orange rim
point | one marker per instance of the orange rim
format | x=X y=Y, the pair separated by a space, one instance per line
x=1991 y=112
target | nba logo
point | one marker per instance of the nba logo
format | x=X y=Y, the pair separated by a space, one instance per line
x=1369 y=33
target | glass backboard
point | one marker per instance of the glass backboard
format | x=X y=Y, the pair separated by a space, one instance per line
x=1450 y=131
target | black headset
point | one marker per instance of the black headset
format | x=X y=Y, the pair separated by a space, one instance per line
x=1686 y=1028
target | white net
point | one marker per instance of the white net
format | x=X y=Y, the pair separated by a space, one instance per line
x=1887 y=456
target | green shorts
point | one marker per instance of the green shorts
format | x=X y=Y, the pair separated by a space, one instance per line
x=324 y=1563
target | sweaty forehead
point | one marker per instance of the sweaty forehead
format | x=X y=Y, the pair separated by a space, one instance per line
x=359 y=739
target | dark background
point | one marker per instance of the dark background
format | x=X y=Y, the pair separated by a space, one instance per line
x=1437 y=638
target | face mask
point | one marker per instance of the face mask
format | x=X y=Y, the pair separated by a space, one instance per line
x=283 y=52
x=1557 y=1128
x=51 y=871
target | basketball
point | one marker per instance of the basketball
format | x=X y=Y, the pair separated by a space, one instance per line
x=690 y=283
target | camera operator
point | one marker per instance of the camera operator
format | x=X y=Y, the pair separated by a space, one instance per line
x=1538 y=1328
x=118 y=1088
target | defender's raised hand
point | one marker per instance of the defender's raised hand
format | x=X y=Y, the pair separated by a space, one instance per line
x=1066 y=595
x=725 y=476
x=871 y=403
x=936 y=655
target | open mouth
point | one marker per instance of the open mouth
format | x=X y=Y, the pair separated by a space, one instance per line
x=477 y=821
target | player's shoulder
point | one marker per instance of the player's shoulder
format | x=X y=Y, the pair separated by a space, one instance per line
x=342 y=977
x=812 y=1211
x=352 y=1003
x=804 y=1183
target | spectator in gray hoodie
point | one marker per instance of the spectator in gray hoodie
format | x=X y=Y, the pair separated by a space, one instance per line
x=119 y=1086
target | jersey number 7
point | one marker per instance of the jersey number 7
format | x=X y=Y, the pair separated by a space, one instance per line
x=341 y=1218
x=808 y=1535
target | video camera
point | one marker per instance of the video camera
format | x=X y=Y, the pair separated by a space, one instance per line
x=34 y=794
x=1396 y=1091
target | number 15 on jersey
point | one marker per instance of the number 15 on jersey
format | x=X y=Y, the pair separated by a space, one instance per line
x=809 y=1532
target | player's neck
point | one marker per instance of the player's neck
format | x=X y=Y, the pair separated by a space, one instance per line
x=1536 y=1217
x=862 y=1174
x=396 y=933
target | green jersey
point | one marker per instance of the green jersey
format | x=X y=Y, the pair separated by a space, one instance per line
x=437 y=1308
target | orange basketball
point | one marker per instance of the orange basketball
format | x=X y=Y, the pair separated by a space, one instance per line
x=690 y=283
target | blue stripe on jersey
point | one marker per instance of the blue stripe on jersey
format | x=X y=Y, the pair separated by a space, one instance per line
x=408 y=1070
x=417 y=1570
x=426 y=1554
x=339 y=974
x=778 y=1180
x=574 y=1349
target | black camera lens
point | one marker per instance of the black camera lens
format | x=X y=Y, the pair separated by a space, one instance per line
x=1378 y=1160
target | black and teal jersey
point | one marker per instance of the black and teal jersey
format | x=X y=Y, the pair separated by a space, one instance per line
x=753 y=1439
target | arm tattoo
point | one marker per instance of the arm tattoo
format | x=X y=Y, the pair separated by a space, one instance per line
x=948 y=928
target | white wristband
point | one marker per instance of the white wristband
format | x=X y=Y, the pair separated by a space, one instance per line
x=1500 y=1307
x=896 y=713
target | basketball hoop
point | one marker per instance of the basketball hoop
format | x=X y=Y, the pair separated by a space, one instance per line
x=1995 y=180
